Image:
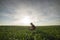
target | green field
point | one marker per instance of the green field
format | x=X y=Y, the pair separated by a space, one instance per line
x=23 y=33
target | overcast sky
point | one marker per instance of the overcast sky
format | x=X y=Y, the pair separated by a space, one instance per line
x=41 y=12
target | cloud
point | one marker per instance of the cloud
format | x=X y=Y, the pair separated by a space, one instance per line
x=41 y=12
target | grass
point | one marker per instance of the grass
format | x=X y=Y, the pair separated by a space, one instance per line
x=23 y=33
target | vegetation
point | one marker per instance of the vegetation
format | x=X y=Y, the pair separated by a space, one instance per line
x=23 y=33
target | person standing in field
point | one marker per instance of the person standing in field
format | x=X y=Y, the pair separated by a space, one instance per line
x=32 y=26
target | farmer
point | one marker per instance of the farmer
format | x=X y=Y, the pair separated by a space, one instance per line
x=32 y=26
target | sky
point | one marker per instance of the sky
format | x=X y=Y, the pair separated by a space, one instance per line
x=23 y=12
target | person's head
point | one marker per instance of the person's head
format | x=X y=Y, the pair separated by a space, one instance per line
x=31 y=23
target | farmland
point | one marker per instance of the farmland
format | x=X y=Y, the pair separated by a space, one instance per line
x=23 y=33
